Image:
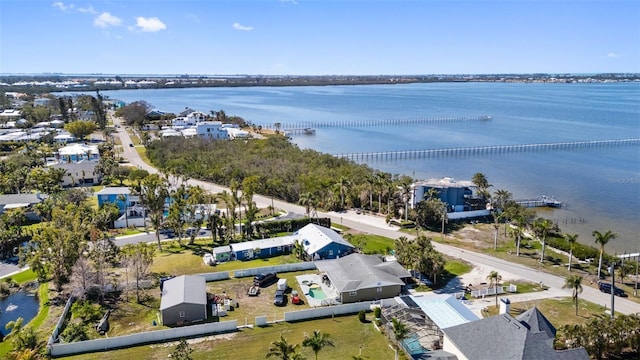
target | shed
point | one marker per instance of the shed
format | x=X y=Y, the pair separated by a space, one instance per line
x=184 y=300
x=263 y=248
x=222 y=253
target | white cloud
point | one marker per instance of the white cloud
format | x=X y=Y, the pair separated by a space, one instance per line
x=240 y=27
x=60 y=5
x=87 y=10
x=613 y=55
x=106 y=19
x=150 y=24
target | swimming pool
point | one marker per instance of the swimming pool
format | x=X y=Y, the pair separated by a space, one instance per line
x=317 y=293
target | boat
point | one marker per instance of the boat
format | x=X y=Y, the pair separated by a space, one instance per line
x=253 y=291
x=551 y=202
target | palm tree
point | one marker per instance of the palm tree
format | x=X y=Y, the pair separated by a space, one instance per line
x=494 y=280
x=154 y=192
x=602 y=240
x=283 y=350
x=481 y=182
x=406 y=190
x=497 y=210
x=571 y=239
x=542 y=226
x=307 y=200
x=343 y=183
x=317 y=341
x=400 y=331
x=123 y=198
x=574 y=282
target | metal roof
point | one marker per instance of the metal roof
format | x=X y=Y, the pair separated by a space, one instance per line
x=185 y=289
x=444 y=310
x=314 y=238
x=264 y=243
x=117 y=190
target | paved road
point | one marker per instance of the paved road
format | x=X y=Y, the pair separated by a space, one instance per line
x=376 y=225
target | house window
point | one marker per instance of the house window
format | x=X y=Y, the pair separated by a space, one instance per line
x=330 y=252
x=182 y=314
x=353 y=293
x=279 y=248
x=246 y=254
x=379 y=289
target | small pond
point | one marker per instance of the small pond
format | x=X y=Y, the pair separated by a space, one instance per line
x=23 y=303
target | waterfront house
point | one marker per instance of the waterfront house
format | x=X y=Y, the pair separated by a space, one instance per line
x=320 y=242
x=359 y=277
x=530 y=335
x=211 y=130
x=184 y=300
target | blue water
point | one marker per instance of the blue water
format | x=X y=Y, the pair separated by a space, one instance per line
x=20 y=304
x=601 y=187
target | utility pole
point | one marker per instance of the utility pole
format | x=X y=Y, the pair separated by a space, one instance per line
x=635 y=291
x=613 y=287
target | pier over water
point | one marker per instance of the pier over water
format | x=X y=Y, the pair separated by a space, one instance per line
x=379 y=122
x=484 y=150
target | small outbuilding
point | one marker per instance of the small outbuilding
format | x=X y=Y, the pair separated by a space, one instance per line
x=184 y=300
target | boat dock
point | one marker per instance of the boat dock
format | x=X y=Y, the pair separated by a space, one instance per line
x=484 y=150
x=298 y=131
x=542 y=201
x=375 y=122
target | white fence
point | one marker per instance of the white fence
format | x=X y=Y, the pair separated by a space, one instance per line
x=56 y=330
x=327 y=311
x=215 y=276
x=492 y=291
x=310 y=265
x=142 y=338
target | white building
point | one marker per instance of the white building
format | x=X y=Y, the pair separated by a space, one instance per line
x=78 y=152
x=212 y=130
x=190 y=119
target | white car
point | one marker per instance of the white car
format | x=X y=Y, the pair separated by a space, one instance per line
x=209 y=260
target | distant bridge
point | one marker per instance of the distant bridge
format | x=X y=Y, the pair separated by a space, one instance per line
x=484 y=150
x=380 y=122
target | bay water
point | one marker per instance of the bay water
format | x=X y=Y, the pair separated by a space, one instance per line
x=599 y=187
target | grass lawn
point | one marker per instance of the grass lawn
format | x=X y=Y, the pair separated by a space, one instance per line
x=371 y=244
x=142 y=151
x=347 y=333
x=560 y=312
x=24 y=276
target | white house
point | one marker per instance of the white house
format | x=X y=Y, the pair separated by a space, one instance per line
x=211 y=130
x=78 y=152
x=190 y=119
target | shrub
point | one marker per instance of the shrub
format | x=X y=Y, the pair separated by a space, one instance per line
x=86 y=311
x=362 y=316
x=75 y=332
x=377 y=312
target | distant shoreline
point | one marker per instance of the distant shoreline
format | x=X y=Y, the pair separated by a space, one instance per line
x=45 y=83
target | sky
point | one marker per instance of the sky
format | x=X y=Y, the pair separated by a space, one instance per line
x=319 y=37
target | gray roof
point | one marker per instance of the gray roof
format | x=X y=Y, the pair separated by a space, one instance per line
x=28 y=199
x=117 y=190
x=221 y=249
x=314 y=238
x=189 y=289
x=88 y=166
x=518 y=339
x=358 y=271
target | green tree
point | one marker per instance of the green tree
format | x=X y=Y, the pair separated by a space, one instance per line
x=400 y=331
x=482 y=184
x=80 y=129
x=182 y=351
x=75 y=332
x=318 y=341
x=574 y=282
x=194 y=214
x=494 y=280
x=134 y=114
x=571 y=239
x=154 y=192
x=307 y=200
x=281 y=349
x=602 y=239
x=542 y=227
x=178 y=204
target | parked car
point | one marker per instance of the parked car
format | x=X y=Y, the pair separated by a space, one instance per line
x=130 y=145
x=606 y=288
x=264 y=280
x=280 y=299
x=209 y=259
